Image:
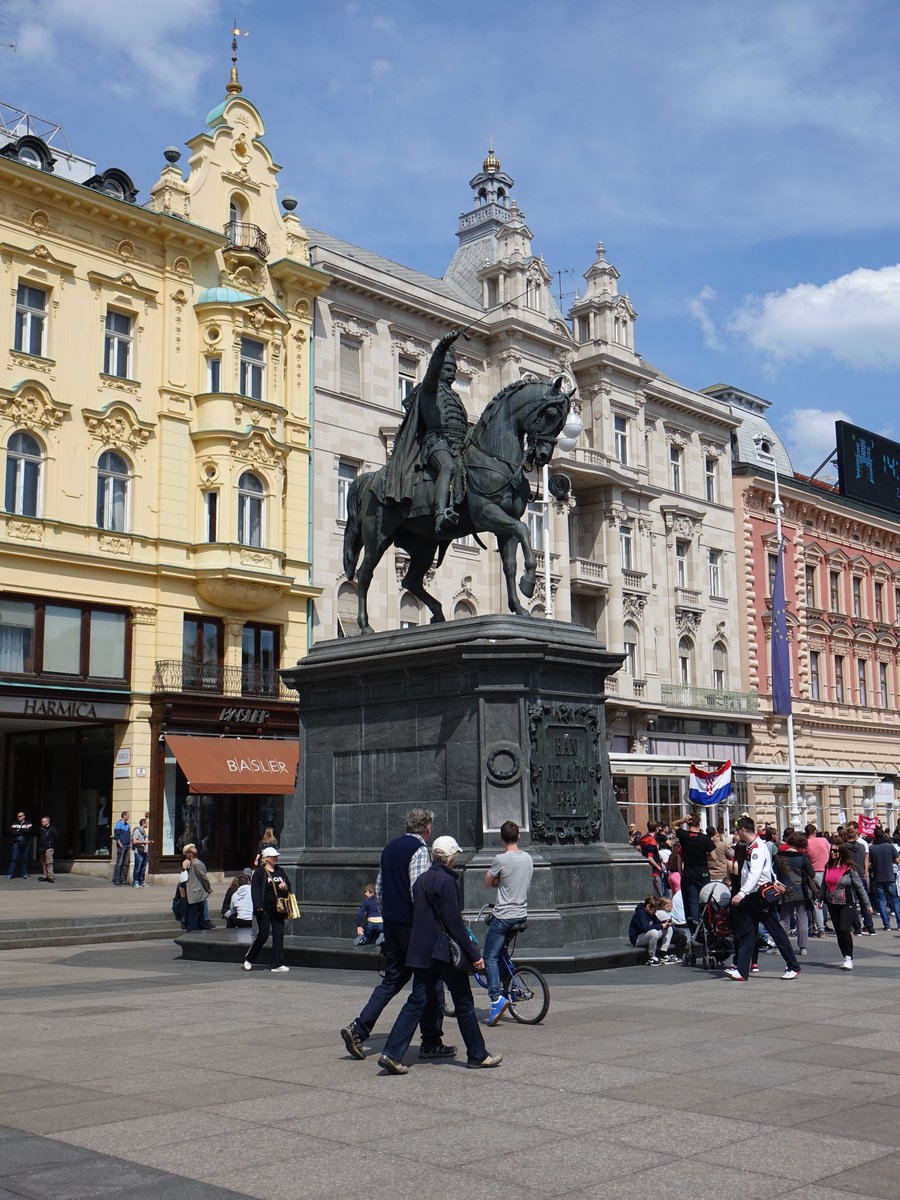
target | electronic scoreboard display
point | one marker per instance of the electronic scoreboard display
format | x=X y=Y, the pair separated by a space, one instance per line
x=868 y=467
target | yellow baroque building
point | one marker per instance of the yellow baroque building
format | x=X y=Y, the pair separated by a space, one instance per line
x=156 y=457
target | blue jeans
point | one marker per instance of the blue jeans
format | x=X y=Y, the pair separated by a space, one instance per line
x=140 y=865
x=19 y=855
x=690 y=891
x=396 y=977
x=886 y=896
x=493 y=944
x=424 y=983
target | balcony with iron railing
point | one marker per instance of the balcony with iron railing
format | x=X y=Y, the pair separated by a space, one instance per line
x=242 y=235
x=683 y=695
x=176 y=675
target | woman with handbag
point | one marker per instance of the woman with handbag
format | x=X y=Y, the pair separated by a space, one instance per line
x=439 y=935
x=839 y=881
x=794 y=870
x=269 y=889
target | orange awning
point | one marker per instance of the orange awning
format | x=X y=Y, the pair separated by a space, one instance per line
x=249 y=766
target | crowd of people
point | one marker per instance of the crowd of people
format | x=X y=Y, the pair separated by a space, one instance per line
x=800 y=885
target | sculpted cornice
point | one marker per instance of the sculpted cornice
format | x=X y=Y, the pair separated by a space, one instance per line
x=30 y=406
x=118 y=425
x=259 y=450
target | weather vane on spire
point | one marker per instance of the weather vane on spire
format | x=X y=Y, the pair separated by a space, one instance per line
x=233 y=86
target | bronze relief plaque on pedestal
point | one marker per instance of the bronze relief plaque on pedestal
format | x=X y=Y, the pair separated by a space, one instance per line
x=565 y=772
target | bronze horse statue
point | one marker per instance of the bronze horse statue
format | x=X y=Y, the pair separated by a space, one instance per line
x=516 y=432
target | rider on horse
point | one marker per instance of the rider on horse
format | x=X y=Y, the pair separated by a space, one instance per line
x=432 y=433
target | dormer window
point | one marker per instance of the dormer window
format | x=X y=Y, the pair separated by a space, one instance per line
x=30 y=157
x=31 y=151
x=114 y=183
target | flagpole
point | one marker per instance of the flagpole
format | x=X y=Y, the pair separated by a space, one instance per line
x=778 y=508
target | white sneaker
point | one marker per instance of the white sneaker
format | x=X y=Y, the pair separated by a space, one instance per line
x=790 y=974
x=654 y=961
x=734 y=973
x=247 y=966
x=281 y=968
x=847 y=964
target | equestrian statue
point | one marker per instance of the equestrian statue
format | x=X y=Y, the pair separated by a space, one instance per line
x=444 y=480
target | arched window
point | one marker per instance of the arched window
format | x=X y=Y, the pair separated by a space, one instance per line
x=251 y=510
x=113 y=484
x=685 y=661
x=24 y=459
x=630 y=638
x=347 y=608
x=410 y=611
x=463 y=610
x=720 y=667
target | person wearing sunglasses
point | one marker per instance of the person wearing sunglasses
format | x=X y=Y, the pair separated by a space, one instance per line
x=840 y=882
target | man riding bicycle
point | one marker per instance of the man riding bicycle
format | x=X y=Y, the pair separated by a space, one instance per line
x=510 y=873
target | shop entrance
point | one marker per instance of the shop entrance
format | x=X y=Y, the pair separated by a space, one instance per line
x=66 y=775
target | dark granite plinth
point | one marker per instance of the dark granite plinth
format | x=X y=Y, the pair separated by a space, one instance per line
x=482 y=721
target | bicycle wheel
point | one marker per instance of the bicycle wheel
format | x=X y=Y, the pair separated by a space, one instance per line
x=529 y=995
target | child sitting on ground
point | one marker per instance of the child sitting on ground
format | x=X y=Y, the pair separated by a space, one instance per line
x=369 y=921
x=646 y=930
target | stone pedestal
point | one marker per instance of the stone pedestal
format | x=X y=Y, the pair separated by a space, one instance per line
x=482 y=721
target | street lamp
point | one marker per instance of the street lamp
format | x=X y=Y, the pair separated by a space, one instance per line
x=566 y=442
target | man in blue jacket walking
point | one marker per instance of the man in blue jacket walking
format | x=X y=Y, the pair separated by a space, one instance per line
x=403 y=861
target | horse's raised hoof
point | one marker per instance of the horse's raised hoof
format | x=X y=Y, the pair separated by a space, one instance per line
x=526 y=585
x=364 y=629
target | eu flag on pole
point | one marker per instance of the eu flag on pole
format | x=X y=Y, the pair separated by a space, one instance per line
x=781 y=661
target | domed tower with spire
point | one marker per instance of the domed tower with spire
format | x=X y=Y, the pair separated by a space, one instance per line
x=493 y=263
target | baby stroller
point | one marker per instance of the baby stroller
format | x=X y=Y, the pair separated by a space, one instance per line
x=712 y=942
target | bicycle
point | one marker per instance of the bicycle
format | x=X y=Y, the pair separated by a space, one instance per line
x=525 y=987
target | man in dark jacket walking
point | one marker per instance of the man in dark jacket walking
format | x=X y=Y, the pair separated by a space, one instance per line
x=437 y=917
x=47 y=836
x=403 y=862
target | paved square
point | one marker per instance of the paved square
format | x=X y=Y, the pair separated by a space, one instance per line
x=128 y=1071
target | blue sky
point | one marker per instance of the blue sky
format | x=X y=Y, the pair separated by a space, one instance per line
x=740 y=161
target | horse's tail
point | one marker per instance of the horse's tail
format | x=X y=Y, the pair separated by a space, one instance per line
x=353 y=538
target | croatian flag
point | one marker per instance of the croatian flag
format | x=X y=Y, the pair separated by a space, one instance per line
x=710 y=787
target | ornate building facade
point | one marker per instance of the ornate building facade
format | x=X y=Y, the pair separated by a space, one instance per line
x=154 y=543
x=646 y=558
x=842 y=587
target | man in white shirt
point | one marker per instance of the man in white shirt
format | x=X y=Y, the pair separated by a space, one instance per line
x=750 y=910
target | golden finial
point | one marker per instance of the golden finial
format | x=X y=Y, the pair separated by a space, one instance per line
x=233 y=87
x=492 y=162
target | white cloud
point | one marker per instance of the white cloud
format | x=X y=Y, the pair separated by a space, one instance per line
x=854 y=319
x=381 y=69
x=136 y=48
x=809 y=437
x=697 y=307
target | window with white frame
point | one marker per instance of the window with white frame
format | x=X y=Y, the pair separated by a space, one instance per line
x=811 y=587
x=715 y=572
x=857 y=596
x=583 y=329
x=347 y=473
x=621 y=439
x=839 y=678
x=879 y=601
x=463 y=610
x=349 y=366
x=630 y=636
x=711 y=467
x=406 y=377
x=534 y=518
x=113 y=487
x=883 y=684
x=251 y=510
x=626 y=547
x=676 y=467
x=214 y=373
x=253 y=368
x=24 y=465
x=211 y=516
x=118 y=344
x=682 y=574
x=685 y=661
x=834 y=590
x=467 y=540
x=862 y=689
x=814 y=674
x=720 y=667
x=31 y=320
